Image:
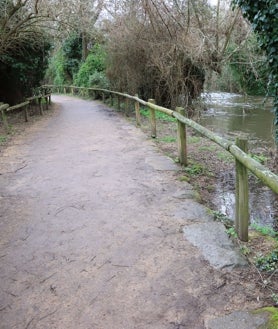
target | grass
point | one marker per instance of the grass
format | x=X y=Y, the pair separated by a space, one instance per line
x=259 y=158
x=3 y=139
x=264 y=230
x=168 y=139
x=225 y=156
x=193 y=139
x=159 y=115
x=194 y=169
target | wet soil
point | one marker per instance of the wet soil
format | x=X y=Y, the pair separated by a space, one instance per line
x=91 y=231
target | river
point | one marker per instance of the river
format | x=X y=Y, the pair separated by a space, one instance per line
x=230 y=115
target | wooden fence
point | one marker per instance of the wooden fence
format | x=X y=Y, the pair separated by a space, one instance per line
x=238 y=149
x=25 y=106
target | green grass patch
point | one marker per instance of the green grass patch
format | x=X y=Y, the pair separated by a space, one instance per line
x=159 y=115
x=3 y=139
x=273 y=316
x=264 y=230
x=225 y=156
x=259 y=158
x=268 y=263
x=184 y=179
x=194 y=169
x=168 y=139
x=193 y=139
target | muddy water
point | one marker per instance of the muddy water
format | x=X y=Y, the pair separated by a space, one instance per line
x=231 y=115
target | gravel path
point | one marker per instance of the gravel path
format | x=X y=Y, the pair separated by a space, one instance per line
x=91 y=226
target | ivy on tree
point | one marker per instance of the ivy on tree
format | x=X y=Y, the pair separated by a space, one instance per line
x=263 y=15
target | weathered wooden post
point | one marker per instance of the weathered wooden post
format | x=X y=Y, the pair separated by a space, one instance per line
x=40 y=105
x=118 y=102
x=137 y=112
x=182 y=149
x=242 y=198
x=26 y=114
x=103 y=97
x=152 y=119
x=111 y=96
x=4 y=119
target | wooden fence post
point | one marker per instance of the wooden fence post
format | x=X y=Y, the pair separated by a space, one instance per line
x=118 y=102
x=137 y=113
x=40 y=106
x=182 y=149
x=242 y=204
x=5 y=122
x=126 y=106
x=111 y=96
x=26 y=115
x=152 y=119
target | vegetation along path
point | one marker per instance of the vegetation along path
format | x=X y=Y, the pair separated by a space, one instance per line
x=97 y=232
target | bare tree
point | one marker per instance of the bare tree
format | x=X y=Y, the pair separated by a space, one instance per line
x=24 y=21
x=79 y=16
x=163 y=47
x=20 y=23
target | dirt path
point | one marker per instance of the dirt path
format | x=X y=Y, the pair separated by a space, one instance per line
x=91 y=228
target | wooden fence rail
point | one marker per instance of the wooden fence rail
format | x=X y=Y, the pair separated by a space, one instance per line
x=4 y=108
x=238 y=149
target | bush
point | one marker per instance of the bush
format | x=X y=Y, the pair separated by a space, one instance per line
x=22 y=71
x=91 y=71
x=99 y=79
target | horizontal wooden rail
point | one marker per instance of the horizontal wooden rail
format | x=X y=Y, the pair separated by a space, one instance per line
x=17 y=106
x=4 y=108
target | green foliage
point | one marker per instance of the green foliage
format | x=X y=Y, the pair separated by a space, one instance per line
x=193 y=139
x=2 y=139
x=272 y=322
x=91 y=72
x=99 y=79
x=159 y=115
x=259 y=158
x=168 y=139
x=194 y=169
x=247 y=67
x=22 y=71
x=56 y=70
x=264 y=230
x=220 y=217
x=268 y=263
x=263 y=16
x=232 y=232
x=72 y=53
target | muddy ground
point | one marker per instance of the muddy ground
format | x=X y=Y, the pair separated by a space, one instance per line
x=92 y=231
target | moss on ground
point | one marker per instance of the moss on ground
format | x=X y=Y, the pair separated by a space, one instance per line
x=272 y=322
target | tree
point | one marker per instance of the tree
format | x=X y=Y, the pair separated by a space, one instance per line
x=23 y=49
x=75 y=16
x=20 y=25
x=162 y=49
x=263 y=16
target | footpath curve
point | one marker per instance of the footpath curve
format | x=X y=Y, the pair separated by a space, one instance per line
x=97 y=232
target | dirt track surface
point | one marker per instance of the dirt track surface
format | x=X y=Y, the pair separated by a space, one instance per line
x=91 y=232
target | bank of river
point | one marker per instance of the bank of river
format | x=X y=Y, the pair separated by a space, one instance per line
x=231 y=115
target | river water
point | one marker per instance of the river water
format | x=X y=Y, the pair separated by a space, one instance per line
x=231 y=115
